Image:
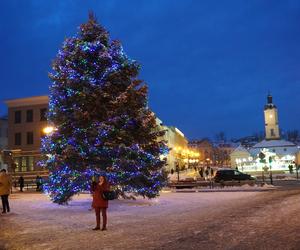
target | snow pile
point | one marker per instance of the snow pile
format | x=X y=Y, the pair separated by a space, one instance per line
x=252 y=187
x=186 y=174
x=245 y=187
x=266 y=186
x=289 y=178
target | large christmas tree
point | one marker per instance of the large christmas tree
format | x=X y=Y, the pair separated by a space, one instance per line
x=102 y=122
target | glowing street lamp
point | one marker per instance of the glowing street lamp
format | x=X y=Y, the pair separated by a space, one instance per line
x=48 y=130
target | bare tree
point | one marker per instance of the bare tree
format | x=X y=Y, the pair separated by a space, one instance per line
x=293 y=135
x=221 y=137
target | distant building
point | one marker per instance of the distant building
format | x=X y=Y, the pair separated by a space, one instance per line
x=213 y=154
x=177 y=144
x=3 y=140
x=27 y=119
x=27 y=123
x=272 y=153
x=240 y=158
x=271 y=120
x=222 y=151
x=248 y=141
x=206 y=150
x=3 y=132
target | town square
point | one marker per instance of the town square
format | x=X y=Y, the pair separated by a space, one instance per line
x=149 y=125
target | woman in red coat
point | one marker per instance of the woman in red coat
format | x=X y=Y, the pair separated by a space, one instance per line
x=99 y=204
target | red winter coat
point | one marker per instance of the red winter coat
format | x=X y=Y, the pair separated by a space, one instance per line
x=98 y=201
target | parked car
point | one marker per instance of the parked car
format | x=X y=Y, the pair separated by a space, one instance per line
x=231 y=175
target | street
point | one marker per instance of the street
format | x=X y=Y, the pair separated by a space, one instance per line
x=268 y=221
x=205 y=220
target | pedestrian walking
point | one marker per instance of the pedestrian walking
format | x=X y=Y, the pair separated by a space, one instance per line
x=41 y=183
x=99 y=203
x=201 y=172
x=21 y=183
x=206 y=173
x=38 y=183
x=5 y=186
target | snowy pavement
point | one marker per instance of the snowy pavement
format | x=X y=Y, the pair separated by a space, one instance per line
x=201 y=220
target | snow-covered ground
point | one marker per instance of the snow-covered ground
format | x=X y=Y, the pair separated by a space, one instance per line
x=196 y=220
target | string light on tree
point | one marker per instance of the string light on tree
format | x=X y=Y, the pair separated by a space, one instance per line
x=103 y=124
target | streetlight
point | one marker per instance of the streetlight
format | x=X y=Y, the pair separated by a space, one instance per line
x=262 y=160
x=297 y=168
x=177 y=170
x=48 y=130
x=270 y=163
x=178 y=156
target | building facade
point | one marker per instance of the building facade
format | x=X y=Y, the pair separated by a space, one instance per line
x=205 y=148
x=271 y=120
x=272 y=153
x=222 y=151
x=27 y=119
x=240 y=158
x=27 y=124
x=3 y=140
x=176 y=143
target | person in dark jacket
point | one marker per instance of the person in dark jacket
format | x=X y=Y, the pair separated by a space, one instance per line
x=38 y=182
x=201 y=172
x=21 y=183
x=99 y=204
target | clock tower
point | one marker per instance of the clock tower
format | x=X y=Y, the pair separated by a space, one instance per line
x=271 y=120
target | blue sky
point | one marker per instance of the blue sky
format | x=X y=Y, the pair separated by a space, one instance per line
x=209 y=64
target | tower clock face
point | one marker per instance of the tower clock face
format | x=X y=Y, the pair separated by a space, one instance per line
x=270 y=117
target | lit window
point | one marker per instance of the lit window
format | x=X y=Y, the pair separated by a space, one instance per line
x=24 y=164
x=30 y=163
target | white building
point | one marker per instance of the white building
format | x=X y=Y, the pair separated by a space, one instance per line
x=271 y=153
x=177 y=144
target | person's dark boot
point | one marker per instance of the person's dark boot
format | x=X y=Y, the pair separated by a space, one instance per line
x=103 y=229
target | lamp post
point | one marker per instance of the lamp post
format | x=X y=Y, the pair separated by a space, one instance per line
x=262 y=157
x=188 y=158
x=177 y=170
x=297 y=168
x=270 y=163
x=48 y=131
x=177 y=161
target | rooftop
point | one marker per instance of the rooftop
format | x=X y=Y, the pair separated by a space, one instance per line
x=35 y=100
x=274 y=143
